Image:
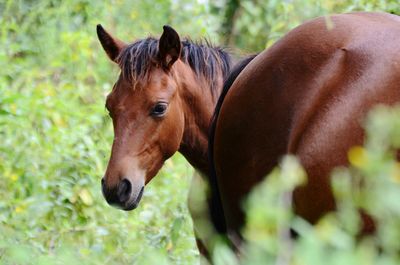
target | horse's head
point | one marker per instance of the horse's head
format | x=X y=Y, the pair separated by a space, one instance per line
x=145 y=108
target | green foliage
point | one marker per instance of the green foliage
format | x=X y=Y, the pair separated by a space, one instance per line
x=258 y=24
x=55 y=139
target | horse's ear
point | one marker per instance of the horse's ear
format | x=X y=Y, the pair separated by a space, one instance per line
x=111 y=45
x=169 y=47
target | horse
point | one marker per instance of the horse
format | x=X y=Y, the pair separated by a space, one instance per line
x=287 y=99
x=306 y=95
x=161 y=103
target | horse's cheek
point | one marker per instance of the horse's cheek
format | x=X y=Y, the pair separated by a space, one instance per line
x=173 y=132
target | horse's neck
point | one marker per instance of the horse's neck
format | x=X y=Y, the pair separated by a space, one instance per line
x=198 y=105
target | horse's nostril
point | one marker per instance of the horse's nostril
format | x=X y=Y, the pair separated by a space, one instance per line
x=124 y=190
x=102 y=182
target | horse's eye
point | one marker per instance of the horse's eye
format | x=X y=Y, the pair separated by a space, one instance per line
x=159 y=109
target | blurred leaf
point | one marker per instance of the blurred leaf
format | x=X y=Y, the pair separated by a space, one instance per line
x=86 y=197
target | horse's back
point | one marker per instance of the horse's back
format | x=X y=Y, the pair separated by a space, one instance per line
x=305 y=95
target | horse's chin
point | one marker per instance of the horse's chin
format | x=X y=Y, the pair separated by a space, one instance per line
x=133 y=203
x=130 y=207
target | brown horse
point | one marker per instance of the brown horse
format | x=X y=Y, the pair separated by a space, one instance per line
x=162 y=102
x=306 y=95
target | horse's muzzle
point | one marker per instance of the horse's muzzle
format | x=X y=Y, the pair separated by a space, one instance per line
x=124 y=196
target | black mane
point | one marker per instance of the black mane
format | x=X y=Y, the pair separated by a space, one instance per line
x=206 y=60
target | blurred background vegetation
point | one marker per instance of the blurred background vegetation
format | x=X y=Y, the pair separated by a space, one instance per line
x=55 y=139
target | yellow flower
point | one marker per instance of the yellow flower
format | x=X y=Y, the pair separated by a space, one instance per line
x=19 y=209
x=13 y=108
x=395 y=174
x=358 y=156
x=14 y=177
x=169 y=246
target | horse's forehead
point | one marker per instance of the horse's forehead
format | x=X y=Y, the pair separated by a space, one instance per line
x=147 y=87
x=158 y=79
